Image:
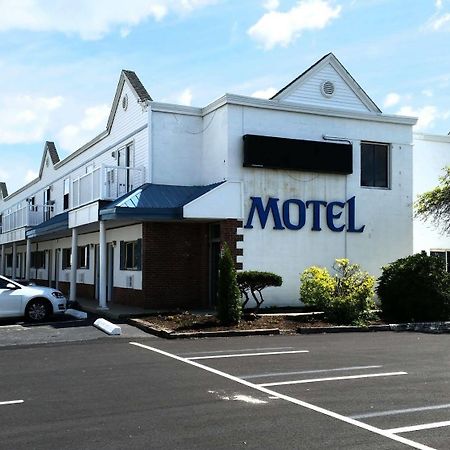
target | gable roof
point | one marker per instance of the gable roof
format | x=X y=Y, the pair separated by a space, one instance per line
x=136 y=86
x=49 y=148
x=329 y=59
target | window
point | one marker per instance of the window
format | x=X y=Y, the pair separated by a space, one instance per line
x=9 y=258
x=374 y=165
x=444 y=256
x=38 y=260
x=66 y=258
x=83 y=257
x=66 y=193
x=130 y=255
x=32 y=203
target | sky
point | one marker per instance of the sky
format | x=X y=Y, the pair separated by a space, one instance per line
x=60 y=60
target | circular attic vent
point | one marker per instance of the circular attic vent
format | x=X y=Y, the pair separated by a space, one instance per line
x=125 y=102
x=327 y=88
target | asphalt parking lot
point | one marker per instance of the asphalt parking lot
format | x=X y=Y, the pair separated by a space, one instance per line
x=347 y=391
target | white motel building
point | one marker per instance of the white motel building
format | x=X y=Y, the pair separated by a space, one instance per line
x=138 y=215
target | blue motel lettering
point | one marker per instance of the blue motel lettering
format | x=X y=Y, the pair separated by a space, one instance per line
x=294 y=213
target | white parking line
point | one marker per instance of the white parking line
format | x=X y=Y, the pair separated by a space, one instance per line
x=349 y=377
x=11 y=402
x=303 y=372
x=238 y=355
x=394 y=412
x=293 y=400
x=425 y=426
x=211 y=352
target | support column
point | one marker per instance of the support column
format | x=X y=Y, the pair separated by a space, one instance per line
x=14 y=261
x=73 y=266
x=28 y=260
x=103 y=269
x=2 y=261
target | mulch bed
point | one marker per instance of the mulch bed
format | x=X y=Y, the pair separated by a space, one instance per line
x=188 y=322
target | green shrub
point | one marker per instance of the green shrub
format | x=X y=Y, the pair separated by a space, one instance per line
x=345 y=298
x=252 y=282
x=229 y=308
x=415 y=288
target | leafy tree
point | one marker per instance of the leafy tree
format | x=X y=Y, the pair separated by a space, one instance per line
x=345 y=298
x=252 y=282
x=229 y=308
x=415 y=288
x=434 y=205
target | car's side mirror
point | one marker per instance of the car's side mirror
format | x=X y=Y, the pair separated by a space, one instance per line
x=11 y=286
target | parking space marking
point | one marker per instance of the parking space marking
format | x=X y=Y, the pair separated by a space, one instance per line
x=238 y=355
x=394 y=412
x=11 y=402
x=349 y=377
x=211 y=352
x=304 y=372
x=425 y=426
x=293 y=400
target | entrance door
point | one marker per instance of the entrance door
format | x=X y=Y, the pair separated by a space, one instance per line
x=124 y=176
x=109 y=272
x=214 y=258
x=57 y=265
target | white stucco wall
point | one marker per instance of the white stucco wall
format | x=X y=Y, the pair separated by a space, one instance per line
x=431 y=154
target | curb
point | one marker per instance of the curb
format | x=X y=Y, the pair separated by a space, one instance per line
x=342 y=329
x=168 y=334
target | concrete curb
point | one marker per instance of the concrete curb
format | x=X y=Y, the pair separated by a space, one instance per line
x=108 y=327
x=169 y=334
x=428 y=327
x=75 y=313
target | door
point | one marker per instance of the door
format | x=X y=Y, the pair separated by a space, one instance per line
x=110 y=272
x=47 y=203
x=10 y=300
x=57 y=266
x=124 y=174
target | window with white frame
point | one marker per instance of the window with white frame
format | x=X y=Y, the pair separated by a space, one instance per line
x=83 y=257
x=444 y=256
x=66 y=195
x=374 y=165
x=130 y=255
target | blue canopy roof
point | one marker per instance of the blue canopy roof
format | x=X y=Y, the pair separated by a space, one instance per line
x=60 y=222
x=154 y=201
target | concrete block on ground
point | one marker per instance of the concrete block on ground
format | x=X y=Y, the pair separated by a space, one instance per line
x=108 y=327
x=76 y=313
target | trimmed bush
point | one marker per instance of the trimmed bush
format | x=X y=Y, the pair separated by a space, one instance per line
x=345 y=298
x=252 y=282
x=415 y=288
x=229 y=308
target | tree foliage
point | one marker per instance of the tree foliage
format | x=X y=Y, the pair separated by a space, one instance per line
x=345 y=298
x=251 y=283
x=434 y=205
x=415 y=288
x=229 y=308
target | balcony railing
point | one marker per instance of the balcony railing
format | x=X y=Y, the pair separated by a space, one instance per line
x=105 y=183
x=26 y=216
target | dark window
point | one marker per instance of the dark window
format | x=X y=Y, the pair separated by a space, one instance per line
x=374 y=165
x=66 y=193
x=83 y=257
x=38 y=260
x=444 y=256
x=9 y=258
x=66 y=258
x=130 y=255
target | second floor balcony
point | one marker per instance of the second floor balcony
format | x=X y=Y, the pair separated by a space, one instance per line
x=25 y=215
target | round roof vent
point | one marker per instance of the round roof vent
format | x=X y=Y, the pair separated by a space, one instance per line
x=327 y=88
x=125 y=102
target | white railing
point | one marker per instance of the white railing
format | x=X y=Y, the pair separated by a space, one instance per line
x=26 y=216
x=105 y=183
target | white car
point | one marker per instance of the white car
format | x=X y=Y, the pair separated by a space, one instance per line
x=36 y=303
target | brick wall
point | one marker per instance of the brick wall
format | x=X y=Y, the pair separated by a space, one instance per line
x=228 y=234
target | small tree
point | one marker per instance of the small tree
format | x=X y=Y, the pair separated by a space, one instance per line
x=252 y=282
x=229 y=309
x=434 y=205
x=415 y=288
x=345 y=298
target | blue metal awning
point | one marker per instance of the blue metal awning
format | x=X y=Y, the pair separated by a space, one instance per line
x=60 y=222
x=153 y=201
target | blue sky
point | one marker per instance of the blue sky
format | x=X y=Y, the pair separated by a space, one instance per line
x=60 y=61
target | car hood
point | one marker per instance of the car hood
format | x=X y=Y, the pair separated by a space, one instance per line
x=38 y=290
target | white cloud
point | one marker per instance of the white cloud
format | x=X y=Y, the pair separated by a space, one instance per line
x=282 y=28
x=89 y=19
x=391 y=99
x=427 y=92
x=73 y=136
x=265 y=93
x=30 y=175
x=438 y=4
x=26 y=118
x=271 y=4
x=439 y=23
x=185 y=98
x=427 y=115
